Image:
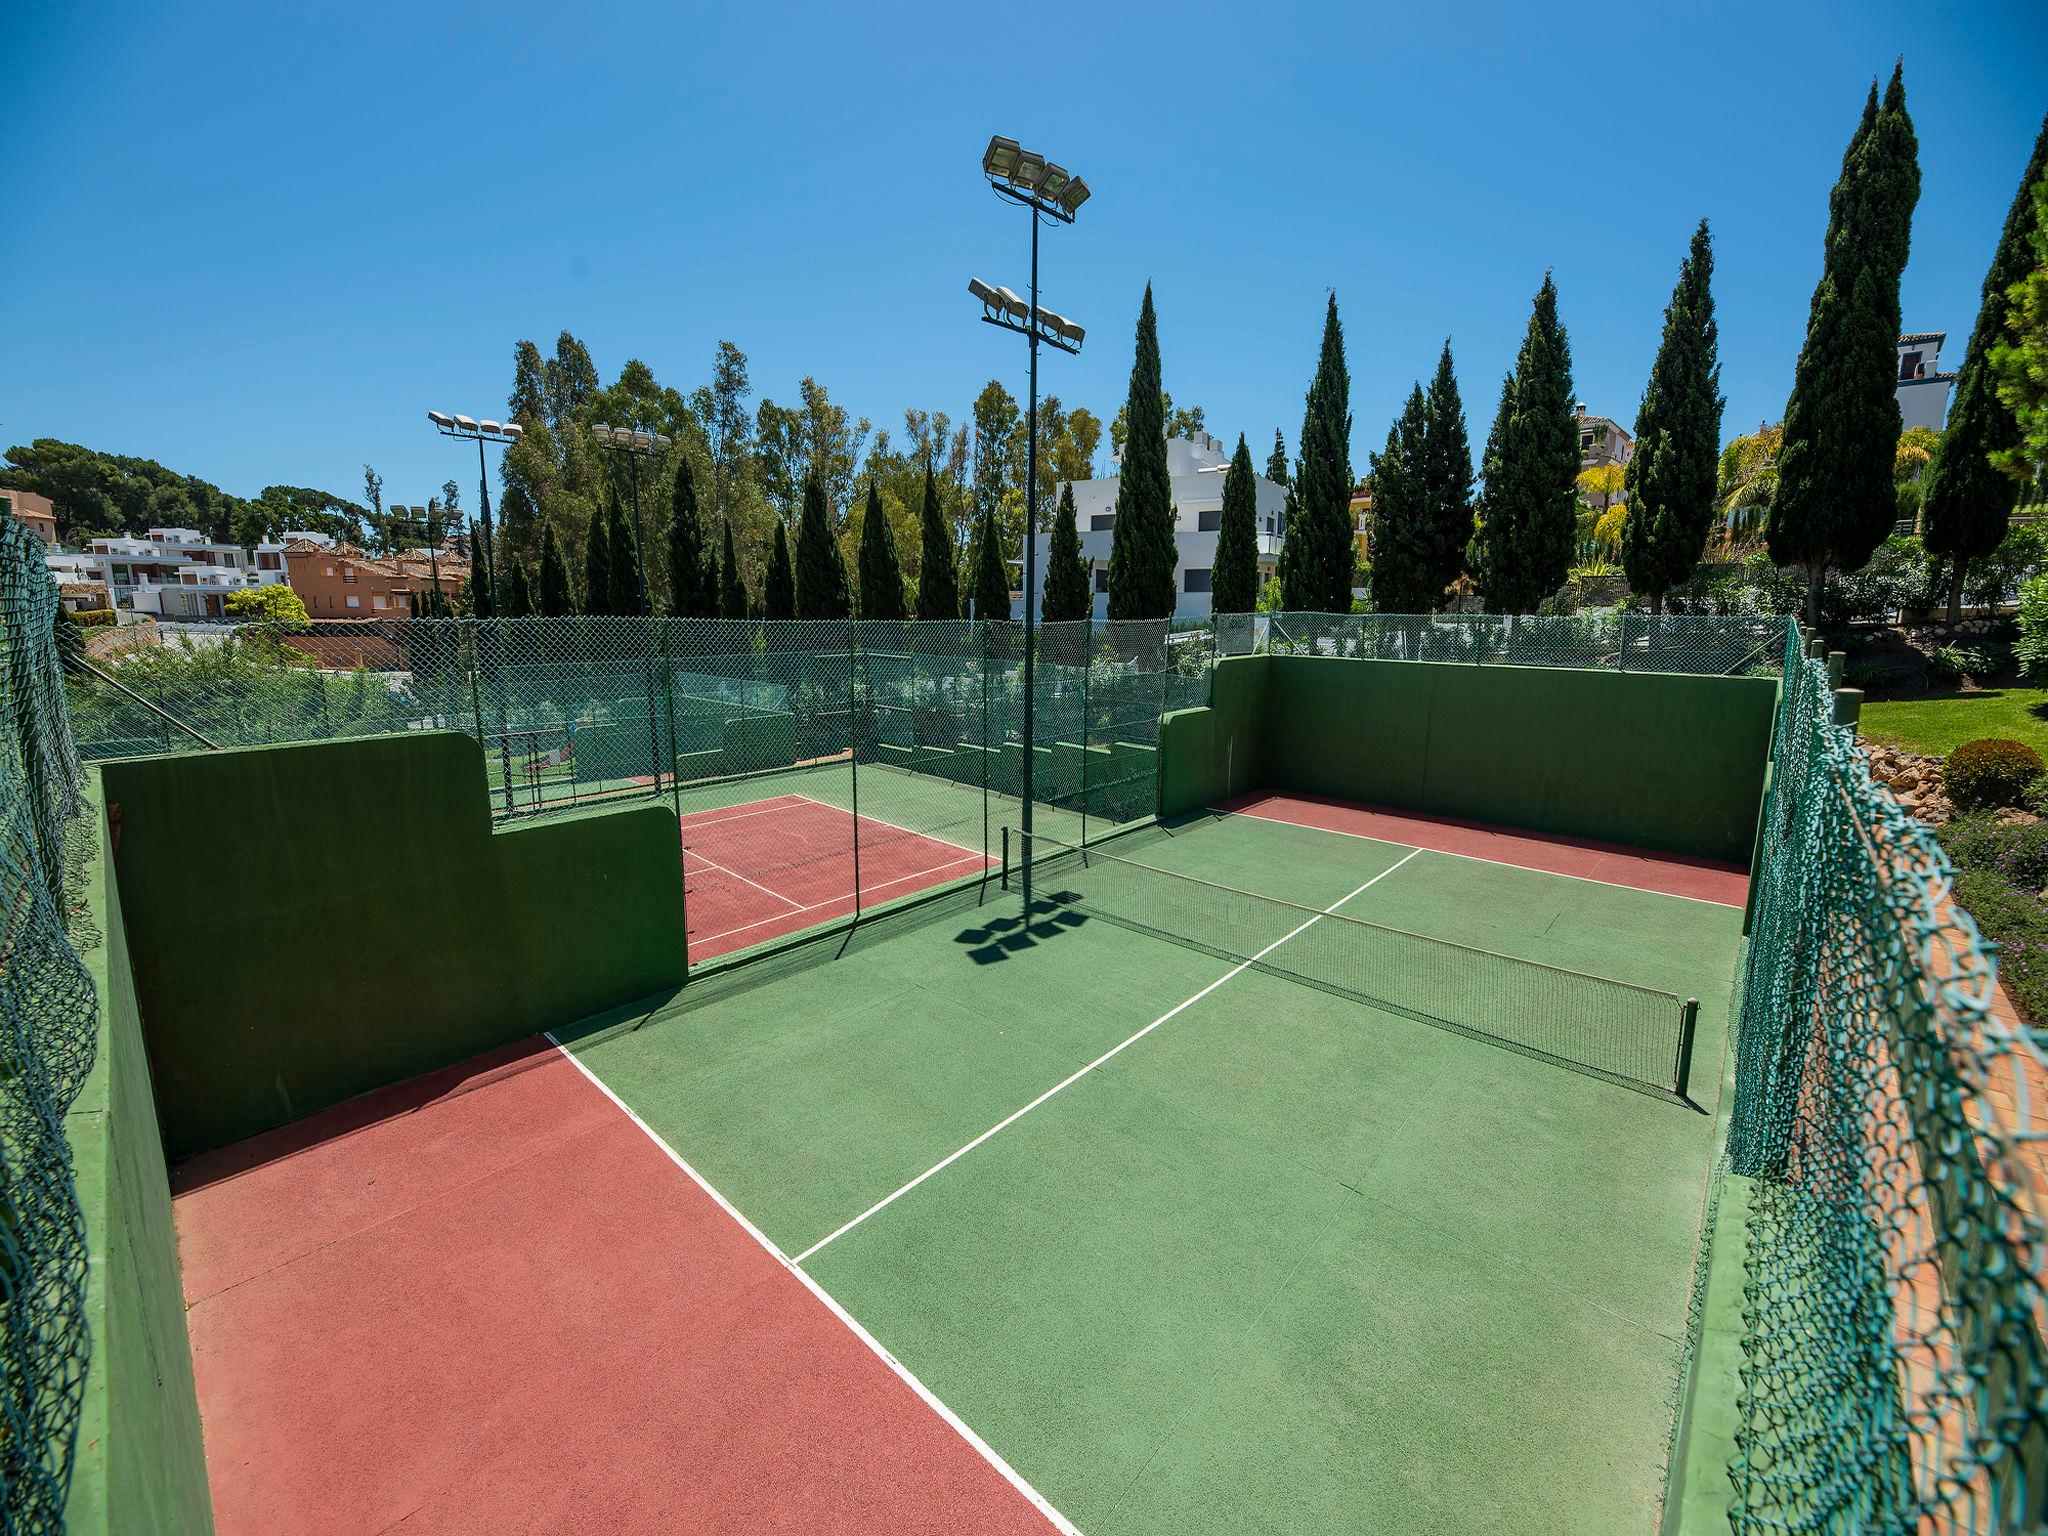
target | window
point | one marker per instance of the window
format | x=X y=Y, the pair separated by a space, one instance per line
x=330 y=570
x=348 y=574
x=378 y=601
x=1208 y=522
x=1909 y=364
x=1097 y=521
x=354 y=601
x=1269 y=522
x=1193 y=580
x=1102 y=578
x=1585 y=442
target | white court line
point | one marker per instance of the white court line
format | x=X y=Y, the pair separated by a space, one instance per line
x=864 y=816
x=1533 y=869
x=901 y=1371
x=691 y=853
x=704 y=818
x=1016 y=1115
x=706 y=938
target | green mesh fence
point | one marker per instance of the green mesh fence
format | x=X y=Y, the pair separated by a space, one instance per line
x=1608 y=640
x=1893 y=1365
x=48 y=1021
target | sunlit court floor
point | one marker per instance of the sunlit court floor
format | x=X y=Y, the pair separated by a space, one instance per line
x=973 y=1224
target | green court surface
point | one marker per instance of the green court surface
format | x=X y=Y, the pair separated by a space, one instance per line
x=1284 y=1262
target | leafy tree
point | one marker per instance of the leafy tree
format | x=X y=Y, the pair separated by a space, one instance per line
x=1066 y=597
x=1835 y=503
x=938 y=583
x=1068 y=439
x=778 y=592
x=1234 y=584
x=1141 y=554
x=622 y=537
x=999 y=447
x=518 y=589
x=1967 y=504
x=1522 y=550
x=881 y=577
x=1398 y=533
x=1316 y=553
x=1276 y=461
x=528 y=402
x=571 y=382
x=991 y=579
x=820 y=573
x=597 y=565
x=274 y=604
x=692 y=573
x=556 y=602
x=1670 y=481
x=732 y=592
x=2022 y=363
x=1746 y=481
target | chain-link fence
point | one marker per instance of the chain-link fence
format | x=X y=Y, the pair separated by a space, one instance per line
x=1893 y=1374
x=1731 y=646
x=48 y=1032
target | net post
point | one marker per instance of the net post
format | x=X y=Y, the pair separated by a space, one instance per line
x=1688 y=1026
x=853 y=753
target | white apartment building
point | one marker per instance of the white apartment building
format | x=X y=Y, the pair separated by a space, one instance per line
x=176 y=572
x=1194 y=471
x=1923 y=388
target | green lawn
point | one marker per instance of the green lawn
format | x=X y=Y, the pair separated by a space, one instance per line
x=1946 y=721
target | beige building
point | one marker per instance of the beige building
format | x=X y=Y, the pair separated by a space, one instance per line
x=1602 y=440
x=340 y=582
x=35 y=514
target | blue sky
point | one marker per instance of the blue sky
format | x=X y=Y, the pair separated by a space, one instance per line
x=258 y=243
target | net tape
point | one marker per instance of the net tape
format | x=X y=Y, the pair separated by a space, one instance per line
x=48 y=1021
x=1892 y=1358
x=1616 y=1030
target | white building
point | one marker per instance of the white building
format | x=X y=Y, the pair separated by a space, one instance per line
x=177 y=572
x=1194 y=471
x=1923 y=388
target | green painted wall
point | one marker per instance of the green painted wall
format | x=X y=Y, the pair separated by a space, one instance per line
x=311 y=922
x=139 y=1451
x=1648 y=759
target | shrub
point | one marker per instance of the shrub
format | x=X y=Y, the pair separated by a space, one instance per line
x=2018 y=922
x=1989 y=772
x=2035 y=796
x=2032 y=646
x=1956 y=661
x=2019 y=854
x=90 y=618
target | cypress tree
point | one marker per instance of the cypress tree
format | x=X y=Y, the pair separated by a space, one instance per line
x=555 y=599
x=1835 y=502
x=778 y=588
x=1522 y=551
x=820 y=573
x=1399 y=533
x=938 y=584
x=1066 y=598
x=732 y=591
x=1141 y=556
x=881 y=578
x=1234 y=583
x=991 y=581
x=622 y=536
x=518 y=591
x=1317 y=558
x=692 y=570
x=1446 y=479
x=1969 y=499
x=1276 y=461
x=597 y=565
x=1670 y=482
x=479 y=575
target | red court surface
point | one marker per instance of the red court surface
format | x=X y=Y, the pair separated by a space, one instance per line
x=771 y=867
x=488 y=1301
x=1609 y=863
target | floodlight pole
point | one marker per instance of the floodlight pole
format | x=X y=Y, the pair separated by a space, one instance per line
x=454 y=427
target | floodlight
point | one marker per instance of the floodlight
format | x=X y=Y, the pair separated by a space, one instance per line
x=1012 y=303
x=513 y=430
x=1052 y=181
x=1072 y=332
x=441 y=418
x=1001 y=156
x=1030 y=166
x=662 y=444
x=1074 y=196
x=983 y=292
x=489 y=427
x=467 y=423
x=643 y=440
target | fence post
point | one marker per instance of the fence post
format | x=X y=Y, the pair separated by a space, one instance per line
x=853 y=754
x=1087 y=664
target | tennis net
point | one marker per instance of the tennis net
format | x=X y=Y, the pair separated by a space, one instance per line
x=1616 y=1030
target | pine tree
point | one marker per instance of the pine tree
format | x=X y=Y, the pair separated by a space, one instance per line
x=623 y=538
x=1066 y=598
x=1522 y=551
x=1670 y=483
x=991 y=582
x=1836 y=502
x=820 y=573
x=778 y=588
x=732 y=591
x=881 y=578
x=1276 y=461
x=1446 y=479
x=1141 y=553
x=597 y=565
x=1317 y=556
x=1969 y=499
x=555 y=599
x=518 y=590
x=938 y=583
x=1398 y=531
x=692 y=570
x=1234 y=582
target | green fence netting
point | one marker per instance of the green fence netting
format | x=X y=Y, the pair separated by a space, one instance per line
x=1892 y=1350
x=1732 y=646
x=48 y=1022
